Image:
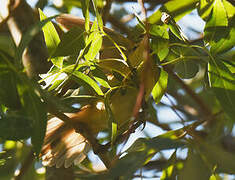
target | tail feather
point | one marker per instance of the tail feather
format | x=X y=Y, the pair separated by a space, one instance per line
x=63 y=145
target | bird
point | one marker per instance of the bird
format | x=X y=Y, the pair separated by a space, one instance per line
x=64 y=146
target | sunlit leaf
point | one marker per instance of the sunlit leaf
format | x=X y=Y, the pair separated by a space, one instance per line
x=85 y=80
x=160 y=43
x=222 y=82
x=166 y=173
x=85 y=11
x=98 y=16
x=230 y=9
x=216 y=26
x=215 y=177
x=226 y=41
x=204 y=8
x=28 y=36
x=50 y=34
x=160 y=87
x=52 y=40
x=95 y=45
x=174 y=8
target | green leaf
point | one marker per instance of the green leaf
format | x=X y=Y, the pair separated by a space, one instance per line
x=186 y=69
x=128 y=165
x=85 y=80
x=15 y=127
x=112 y=121
x=170 y=168
x=165 y=141
x=69 y=101
x=216 y=157
x=226 y=41
x=35 y=111
x=71 y=43
x=95 y=46
x=116 y=65
x=219 y=16
x=159 y=31
x=194 y=168
x=160 y=47
x=160 y=87
x=185 y=60
x=222 y=82
x=174 y=8
x=160 y=41
x=52 y=40
x=215 y=177
x=28 y=36
x=100 y=77
x=136 y=57
x=50 y=34
x=85 y=12
x=217 y=24
x=7 y=45
x=98 y=16
x=230 y=9
x=204 y=8
x=8 y=92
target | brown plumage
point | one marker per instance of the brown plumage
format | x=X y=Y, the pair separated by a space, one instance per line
x=63 y=145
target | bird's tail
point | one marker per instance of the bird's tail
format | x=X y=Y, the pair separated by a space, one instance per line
x=63 y=145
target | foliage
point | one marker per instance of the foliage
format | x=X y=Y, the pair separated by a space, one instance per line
x=164 y=69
